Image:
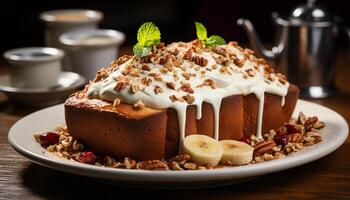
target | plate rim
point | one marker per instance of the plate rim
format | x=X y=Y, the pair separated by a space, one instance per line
x=14 y=90
x=175 y=176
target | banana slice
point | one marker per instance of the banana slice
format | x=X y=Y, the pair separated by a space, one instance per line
x=238 y=153
x=203 y=149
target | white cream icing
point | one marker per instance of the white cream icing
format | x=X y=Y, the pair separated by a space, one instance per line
x=226 y=85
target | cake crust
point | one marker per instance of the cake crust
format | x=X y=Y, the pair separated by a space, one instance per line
x=151 y=133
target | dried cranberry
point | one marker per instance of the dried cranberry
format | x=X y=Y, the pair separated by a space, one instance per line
x=87 y=157
x=245 y=139
x=281 y=139
x=48 y=138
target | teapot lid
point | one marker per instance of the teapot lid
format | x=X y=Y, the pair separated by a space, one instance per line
x=310 y=12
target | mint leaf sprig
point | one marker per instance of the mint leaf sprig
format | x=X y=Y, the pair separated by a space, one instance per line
x=202 y=35
x=148 y=35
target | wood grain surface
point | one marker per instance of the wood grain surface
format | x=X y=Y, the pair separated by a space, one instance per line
x=326 y=178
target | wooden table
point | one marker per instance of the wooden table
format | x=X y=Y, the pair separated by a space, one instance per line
x=327 y=178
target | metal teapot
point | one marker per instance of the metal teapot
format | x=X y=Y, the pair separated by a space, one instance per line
x=305 y=47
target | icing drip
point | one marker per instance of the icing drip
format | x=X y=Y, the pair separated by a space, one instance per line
x=181 y=115
x=245 y=77
x=261 y=99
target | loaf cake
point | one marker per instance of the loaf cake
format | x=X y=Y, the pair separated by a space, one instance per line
x=143 y=108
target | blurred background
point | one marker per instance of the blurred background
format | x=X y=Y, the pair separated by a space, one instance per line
x=21 y=26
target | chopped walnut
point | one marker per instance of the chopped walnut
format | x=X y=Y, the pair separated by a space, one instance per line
x=186 y=88
x=146 y=81
x=170 y=85
x=139 y=105
x=116 y=102
x=188 y=55
x=146 y=67
x=174 y=98
x=158 y=89
x=250 y=72
x=189 y=98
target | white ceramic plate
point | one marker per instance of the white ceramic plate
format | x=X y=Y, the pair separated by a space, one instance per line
x=21 y=139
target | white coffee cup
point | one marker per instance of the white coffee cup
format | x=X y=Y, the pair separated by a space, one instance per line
x=90 y=50
x=58 y=22
x=34 y=67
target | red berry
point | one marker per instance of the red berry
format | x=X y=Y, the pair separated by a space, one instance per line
x=245 y=139
x=48 y=138
x=281 y=139
x=87 y=157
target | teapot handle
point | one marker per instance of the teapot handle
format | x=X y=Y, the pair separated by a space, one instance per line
x=346 y=30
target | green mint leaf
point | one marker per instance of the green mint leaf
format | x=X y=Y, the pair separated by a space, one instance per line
x=201 y=31
x=214 y=40
x=148 y=32
x=151 y=43
x=140 y=50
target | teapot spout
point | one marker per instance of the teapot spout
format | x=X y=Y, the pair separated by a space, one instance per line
x=255 y=41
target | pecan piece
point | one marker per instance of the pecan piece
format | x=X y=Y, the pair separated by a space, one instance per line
x=319 y=125
x=188 y=98
x=294 y=128
x=188 y=55
x=165 y=59
x=170 y=85
x=153 y=165
x=238 y=62
x=264 y=147
x=295 y=138
x=200 y=61
x=190 y=166
x=301 y=118
x=146 y=81
x=219 y=50
x=120 y=86
x=122 y=60
x=182 y=158
x=146 y=67
x=129 y=163
x=310 y=122
x=186 y=88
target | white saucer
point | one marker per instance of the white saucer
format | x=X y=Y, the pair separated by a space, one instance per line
x=66 y=84
x=22 y=140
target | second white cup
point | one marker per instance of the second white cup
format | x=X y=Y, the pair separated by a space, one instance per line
x=90 y=50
